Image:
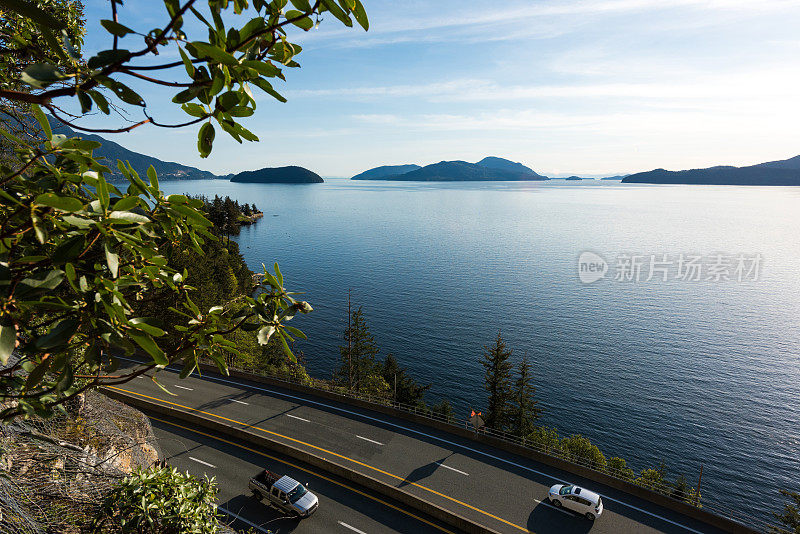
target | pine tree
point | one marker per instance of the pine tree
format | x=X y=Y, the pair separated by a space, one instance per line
x=404 y=389
x=357 y=355
x=525 y=410
x=790 y=518
x=497 y=383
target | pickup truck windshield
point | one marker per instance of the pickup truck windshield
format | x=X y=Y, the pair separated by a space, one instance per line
x=296 y=493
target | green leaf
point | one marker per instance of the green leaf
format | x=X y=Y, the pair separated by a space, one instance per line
x=8 y=338
x=153 y=176
x=86 y=101
x=195 y=110
x=69 y=204
x=126 y=203
x=304 y=22
x=187 y=63
x=129 y=216
x=42 y=119
x=286 y=349
x=107 y=57
x=123 y=92
x=58 y=335
x=66 y=379
x=168 y=392
x=278 y=274
x=151 y=347
x=295 y=331
x=337 y=12
x=265 y=86
x=40 y=75
x=32 y=11
x=102 y=192
x=360 y=14
x=207 y=50
x=68 y=250
x=205 y=139
x=112 y=259
x=140 y=323
x=115 y=28
x=40 y=282
x=37 y=374
x=302 y=5
x=100 y=100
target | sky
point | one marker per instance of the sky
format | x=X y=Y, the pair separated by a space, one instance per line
x=587 y=87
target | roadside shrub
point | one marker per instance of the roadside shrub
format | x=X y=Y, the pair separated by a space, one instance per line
x=652 y=479
x=160 y=500
x=579 y=449
x=544 y=438
x=619 y=468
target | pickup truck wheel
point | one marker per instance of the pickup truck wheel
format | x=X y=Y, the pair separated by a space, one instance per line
x=257 y=495
x=590 y=516
x=557 y=503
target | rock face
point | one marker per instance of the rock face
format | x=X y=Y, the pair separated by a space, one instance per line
x=59 y=470
x=278 y=175
x=783 y=172
x=385 y=171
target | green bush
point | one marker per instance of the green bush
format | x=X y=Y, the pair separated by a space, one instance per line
x=544 y=438
x=578 y=449
x=619 y=468
x=160 y=500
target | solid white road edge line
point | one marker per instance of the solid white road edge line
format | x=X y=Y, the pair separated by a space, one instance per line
x=182 y=387
x=202 y=462
x=354 y=529
x=395 y=425
x=242 y=519
x=295 y=417
x=451 y=468
x=370 y=440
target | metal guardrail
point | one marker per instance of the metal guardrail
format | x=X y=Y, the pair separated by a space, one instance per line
x=664 y=489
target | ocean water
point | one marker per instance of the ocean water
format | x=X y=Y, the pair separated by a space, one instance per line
x=688 y=372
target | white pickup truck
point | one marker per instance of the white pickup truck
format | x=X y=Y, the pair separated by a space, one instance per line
x=284 y=493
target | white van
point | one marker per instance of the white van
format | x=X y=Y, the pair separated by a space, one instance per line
x=585 y=502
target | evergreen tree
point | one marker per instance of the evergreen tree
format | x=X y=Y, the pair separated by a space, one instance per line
x=357 y=355
x=498 y=383
x=790 y=518
x=404 y=389
x=246 y=209
x=524 y=410
x=255 y=209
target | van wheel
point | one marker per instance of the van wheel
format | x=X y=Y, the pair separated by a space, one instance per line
x=557 y=503
x=590 y=516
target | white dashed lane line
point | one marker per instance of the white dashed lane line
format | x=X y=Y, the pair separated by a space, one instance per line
x=202 y=462
x=299 y=418
x=354 y=529
x=451 y=468
x=370 y=440
x=238 y=401
x=182 y=387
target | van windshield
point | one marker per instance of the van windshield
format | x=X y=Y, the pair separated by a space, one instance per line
x=296 y=493
x=566 y=490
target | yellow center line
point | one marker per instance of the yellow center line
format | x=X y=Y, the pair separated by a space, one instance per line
x=309 y=471
x=402 y=479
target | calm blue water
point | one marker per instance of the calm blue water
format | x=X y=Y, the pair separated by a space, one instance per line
x=686 y=372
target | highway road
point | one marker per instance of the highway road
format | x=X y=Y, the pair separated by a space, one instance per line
x=344 y=507
x=500 y=490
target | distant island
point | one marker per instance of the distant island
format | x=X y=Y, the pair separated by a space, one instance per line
x=782 y=172
x=573 y=178
x=112 y=151
x=385 y=171
x=278 y=175
x=488 y=169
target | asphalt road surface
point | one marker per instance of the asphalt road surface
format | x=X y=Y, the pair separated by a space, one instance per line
x=497 y=489
x=344 y=507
